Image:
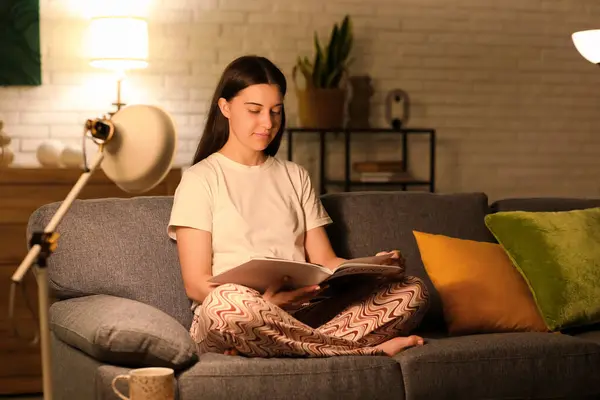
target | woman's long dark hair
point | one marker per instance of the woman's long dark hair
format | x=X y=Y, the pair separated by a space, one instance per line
x=239 y=74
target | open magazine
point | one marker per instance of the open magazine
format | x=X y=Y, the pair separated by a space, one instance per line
x=261 y=272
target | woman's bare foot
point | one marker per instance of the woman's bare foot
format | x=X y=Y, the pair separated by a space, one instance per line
x=231 y=352
x=397 y=344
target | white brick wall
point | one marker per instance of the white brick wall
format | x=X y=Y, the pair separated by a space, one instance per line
x=516 y=108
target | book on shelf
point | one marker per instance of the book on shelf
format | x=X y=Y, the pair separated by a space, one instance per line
x=378 y=166
x=385 y=177
x=259 y=273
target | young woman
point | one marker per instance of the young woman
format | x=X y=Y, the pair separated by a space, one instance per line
x=237 y=201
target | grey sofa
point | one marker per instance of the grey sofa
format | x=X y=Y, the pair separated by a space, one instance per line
x=121 y=305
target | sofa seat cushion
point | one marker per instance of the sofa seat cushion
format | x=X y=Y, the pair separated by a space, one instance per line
x=217 y=376
x=504 y=365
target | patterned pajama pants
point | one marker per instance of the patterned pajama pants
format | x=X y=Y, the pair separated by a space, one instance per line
x=236 y=317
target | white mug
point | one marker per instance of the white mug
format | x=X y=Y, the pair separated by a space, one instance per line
x=148 y=384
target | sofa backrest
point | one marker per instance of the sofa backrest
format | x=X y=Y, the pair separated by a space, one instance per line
x=535 y=204
x=365 y=223
x=117 y=247
x=120 y=247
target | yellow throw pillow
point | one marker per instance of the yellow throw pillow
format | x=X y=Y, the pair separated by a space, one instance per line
x=480 y=289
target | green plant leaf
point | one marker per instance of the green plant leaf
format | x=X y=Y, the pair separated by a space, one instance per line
x=330 y=62
x=346 y=46
x=332 y=52
x=319 y=65
x=305 y=67
x=333 y=78
x=344 y=32
x=316 y=76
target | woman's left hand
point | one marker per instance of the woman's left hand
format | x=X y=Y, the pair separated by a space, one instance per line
x=395 y=259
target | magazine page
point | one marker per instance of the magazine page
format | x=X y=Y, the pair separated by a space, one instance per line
x=374 y=265
x=260 y=273
x=366 y=261
x=365 y=269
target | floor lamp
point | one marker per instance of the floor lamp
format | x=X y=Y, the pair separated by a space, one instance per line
x=588 y=44
x=136 y=150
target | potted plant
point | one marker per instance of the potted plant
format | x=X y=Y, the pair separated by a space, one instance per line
x=321 y=102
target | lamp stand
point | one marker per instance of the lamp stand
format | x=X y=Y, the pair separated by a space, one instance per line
x=120 y=79
x=118 y=104
x=44 y=243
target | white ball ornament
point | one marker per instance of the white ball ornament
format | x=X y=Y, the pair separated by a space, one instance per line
x=71 y=157
x=49 y=152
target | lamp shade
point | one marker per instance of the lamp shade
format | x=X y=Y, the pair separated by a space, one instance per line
x=588 y=44
x=119 y=43
x=142 y=150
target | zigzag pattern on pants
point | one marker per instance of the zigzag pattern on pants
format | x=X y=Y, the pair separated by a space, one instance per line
x=234 y=316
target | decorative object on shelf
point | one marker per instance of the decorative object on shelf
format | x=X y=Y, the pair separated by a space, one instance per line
x=359 y=105
x=20 y=60
x=71 y=157
x=48 y=153
x=119 y=44
x=6 y=154
x=587 y=44
x=393 y=98
x=322 y=102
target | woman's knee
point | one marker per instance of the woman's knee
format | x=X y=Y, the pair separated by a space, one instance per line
x=420 y=294
x=417 y=283
x=229 y=304
x=415 y=286
x=230 y=293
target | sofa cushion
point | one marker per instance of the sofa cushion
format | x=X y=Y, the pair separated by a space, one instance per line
x=559 y=256
x=122 y=332
x=217 y=376
x=117 y=247
x=367 y=222
x=480 y=288
x=503 y=366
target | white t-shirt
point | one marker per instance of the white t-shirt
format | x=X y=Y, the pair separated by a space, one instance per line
x=262 y=210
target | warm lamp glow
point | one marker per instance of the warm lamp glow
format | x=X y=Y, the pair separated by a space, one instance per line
x=119 y=43
x=88 y=9
x=588 y=44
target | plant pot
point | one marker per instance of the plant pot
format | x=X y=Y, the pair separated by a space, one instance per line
x=321 y=108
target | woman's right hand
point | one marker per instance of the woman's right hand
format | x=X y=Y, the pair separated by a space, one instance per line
x=289 y=298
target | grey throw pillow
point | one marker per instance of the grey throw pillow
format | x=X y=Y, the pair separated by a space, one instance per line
x=123 y=332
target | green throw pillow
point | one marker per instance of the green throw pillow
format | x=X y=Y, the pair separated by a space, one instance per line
x=558 y=254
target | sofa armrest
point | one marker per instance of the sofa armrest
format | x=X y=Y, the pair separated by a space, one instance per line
x=123 y=332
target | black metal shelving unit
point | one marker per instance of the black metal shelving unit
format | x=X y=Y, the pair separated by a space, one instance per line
x=347 y=183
